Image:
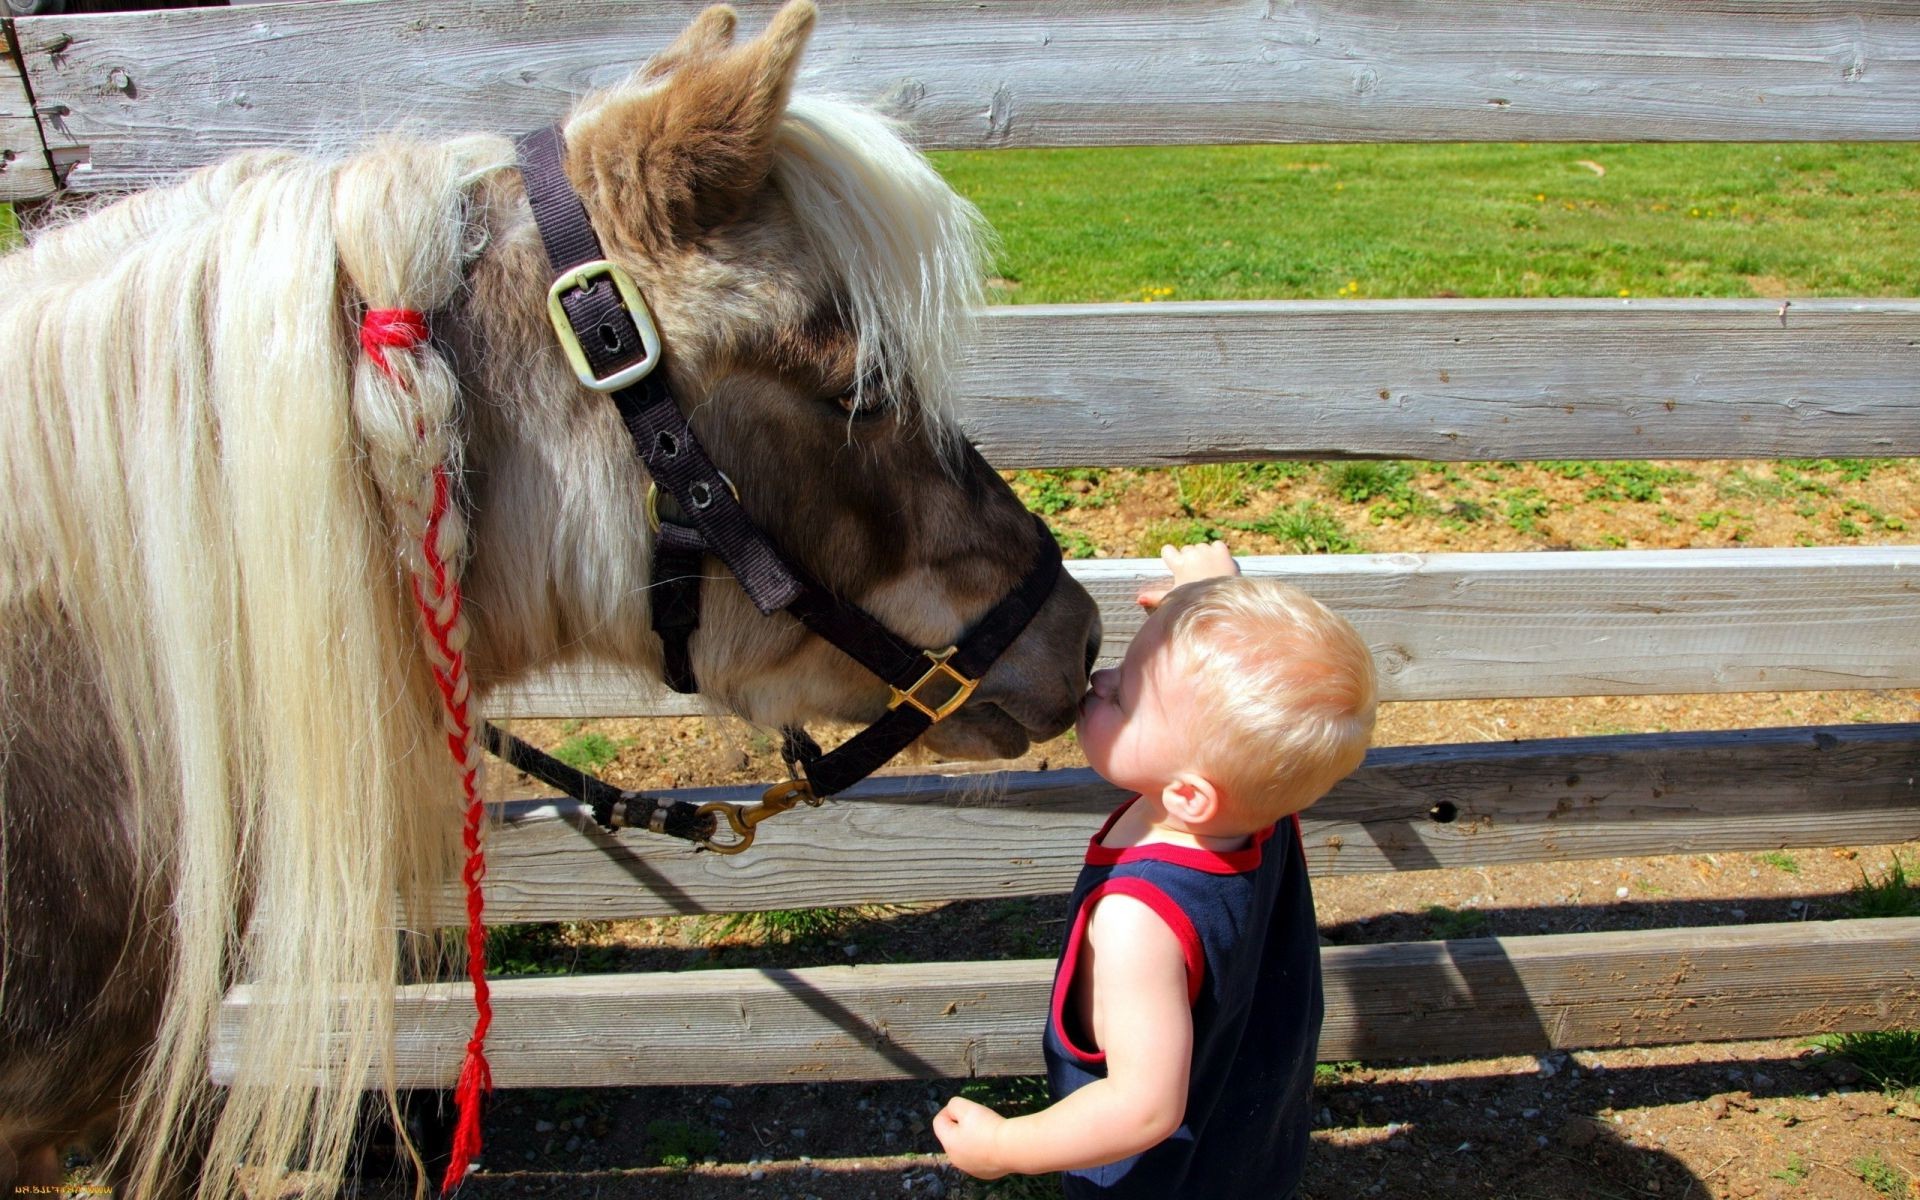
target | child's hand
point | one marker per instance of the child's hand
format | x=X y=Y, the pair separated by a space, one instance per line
x=1189 y=564
x=966 y=1131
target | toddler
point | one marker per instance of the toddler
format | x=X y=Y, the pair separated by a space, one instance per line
x=1186 y=1008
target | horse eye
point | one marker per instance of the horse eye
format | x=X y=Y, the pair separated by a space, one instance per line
x=848 y=403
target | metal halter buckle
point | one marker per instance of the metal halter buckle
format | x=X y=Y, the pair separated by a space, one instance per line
x=581 y=278
x=963 y=687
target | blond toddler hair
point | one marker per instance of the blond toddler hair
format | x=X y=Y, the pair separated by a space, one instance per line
x=1285 y=684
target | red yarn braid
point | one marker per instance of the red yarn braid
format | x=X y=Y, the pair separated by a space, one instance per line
x=398 y=328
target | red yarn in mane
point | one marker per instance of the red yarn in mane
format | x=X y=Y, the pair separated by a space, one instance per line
x=398 y=328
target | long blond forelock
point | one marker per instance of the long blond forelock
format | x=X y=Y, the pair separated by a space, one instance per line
x=910 y=252
x=218 y=486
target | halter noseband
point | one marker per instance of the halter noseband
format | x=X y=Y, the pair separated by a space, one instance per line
x=609 y=338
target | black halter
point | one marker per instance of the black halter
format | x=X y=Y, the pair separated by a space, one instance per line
x=609 y=338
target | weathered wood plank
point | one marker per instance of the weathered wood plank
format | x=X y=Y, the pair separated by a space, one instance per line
x=1467 y=626
x=1446 y=380
x=918 y=838
x=25 y=173
x=196 y=85
x=1463 y=999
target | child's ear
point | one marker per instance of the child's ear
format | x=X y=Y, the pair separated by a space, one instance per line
x=1191 y=798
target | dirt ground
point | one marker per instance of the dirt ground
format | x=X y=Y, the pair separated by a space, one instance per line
x=1769 y=1119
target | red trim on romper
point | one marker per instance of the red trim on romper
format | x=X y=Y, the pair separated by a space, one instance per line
x=1213 y=862
x=1164 y=908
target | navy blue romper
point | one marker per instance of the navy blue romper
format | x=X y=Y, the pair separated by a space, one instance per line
x=1245 y=919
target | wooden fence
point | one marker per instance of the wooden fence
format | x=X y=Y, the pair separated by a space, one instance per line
x=111 y=102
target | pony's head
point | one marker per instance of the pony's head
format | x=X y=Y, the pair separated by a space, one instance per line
x=812 y=279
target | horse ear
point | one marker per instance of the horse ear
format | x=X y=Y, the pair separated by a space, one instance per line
x=675 y=161
x=710 y=33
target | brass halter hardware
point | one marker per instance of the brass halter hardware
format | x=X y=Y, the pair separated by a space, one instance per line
x=936 y=710
x=743 y=819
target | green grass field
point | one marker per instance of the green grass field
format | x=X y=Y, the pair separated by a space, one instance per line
x=1327 y=222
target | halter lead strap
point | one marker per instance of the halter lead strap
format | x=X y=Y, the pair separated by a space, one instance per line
x=604 y=327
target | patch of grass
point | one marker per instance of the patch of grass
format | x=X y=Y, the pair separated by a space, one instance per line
x=1638 y=481
x=550 y=949
x=1452 y=923
x=1667 y=219
x=9 y=228
x=1850 y=470
x=588 y=751
x=1327 y=1074
x=1780 y=860
x=1362 y=480
x=1049 y=492
x=680 y=1144
x=1889 y=1059
x=1306 y=527
x=1174 y=532
x=1880 y=1175
x=1010 y=1096
x=792 y=924
x=1892 y=895
x=1211 y=486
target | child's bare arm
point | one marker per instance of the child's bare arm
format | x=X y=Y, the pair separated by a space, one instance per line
x=1146 y=1029
x=1187 y=564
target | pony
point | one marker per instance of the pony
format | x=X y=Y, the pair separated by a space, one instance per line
x=224 y=737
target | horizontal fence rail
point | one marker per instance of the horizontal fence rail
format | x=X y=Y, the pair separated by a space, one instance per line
x=139 y=97
x=919 y=838
x=1475 y=626
x=25 y=173
x=1444 y=380
x=1473 y=998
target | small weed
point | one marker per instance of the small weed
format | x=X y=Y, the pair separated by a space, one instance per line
x=680 y=1144
x=1892 y=895
x=1889 y=1059
x=1525 y=507
x=1780 y=860
x=588 y=751
x=1075 y=544
x=1306 y=527
x=1049 y=492
x=1327 y=1074
x=1795 y=1172
x=1451 y=923
x=1880 y=1175
x=1462 y=513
